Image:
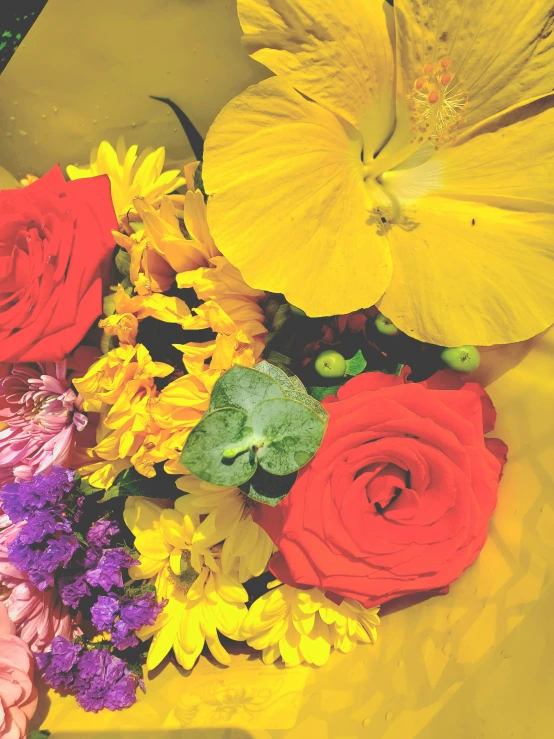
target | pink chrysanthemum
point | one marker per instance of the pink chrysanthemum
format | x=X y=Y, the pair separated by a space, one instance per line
x=39 y=616
x=39 y=414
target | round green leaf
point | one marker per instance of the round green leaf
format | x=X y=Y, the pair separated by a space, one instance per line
x=268 y=489
x=274 y=372
x=288 y=433
x=243 y=387
x=219 y=448
x=312 y=403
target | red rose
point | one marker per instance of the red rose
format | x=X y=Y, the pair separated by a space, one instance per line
x=55 y=236
x=398 y=498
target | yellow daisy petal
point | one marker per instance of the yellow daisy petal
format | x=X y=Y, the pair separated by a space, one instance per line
x=141 y=514
x=152 y=545
x=162 y=643
x=221 y=655
x=146 y=569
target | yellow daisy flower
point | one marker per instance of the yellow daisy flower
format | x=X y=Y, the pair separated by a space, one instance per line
x=399 y=156
x=130 y=177
x=303 y=625
x=226 y=519
x=202 y=601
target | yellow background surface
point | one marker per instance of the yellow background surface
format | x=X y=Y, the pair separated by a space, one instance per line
x=474 y=663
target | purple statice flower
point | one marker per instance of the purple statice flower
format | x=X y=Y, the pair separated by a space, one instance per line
x=104 y=612
x=104 y=681
x=58 y=666
x=20 y=501
x=43 y=524
x=78 y=512
x=141 y=611
x=102 y=532
x=45 y=541
x=97 y=678
x=107 y=572
x=40 y=562
x=122 y=616
x=73 y=589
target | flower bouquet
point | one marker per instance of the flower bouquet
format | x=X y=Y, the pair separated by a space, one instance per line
x=243 y=415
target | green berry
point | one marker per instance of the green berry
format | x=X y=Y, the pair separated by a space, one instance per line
x=461 y=358
x=385 y=326
x=330 y=364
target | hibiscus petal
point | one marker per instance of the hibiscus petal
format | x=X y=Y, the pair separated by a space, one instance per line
x=337 y=52
x=470 y=273
x=283 y=170
x=501 y=51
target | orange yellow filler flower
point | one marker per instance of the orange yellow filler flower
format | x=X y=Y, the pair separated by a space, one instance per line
x=400 y=157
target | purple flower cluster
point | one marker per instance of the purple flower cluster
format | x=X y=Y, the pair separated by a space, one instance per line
x=122 y=616
x=97 y=678
x=102 y=569
x=46 y=541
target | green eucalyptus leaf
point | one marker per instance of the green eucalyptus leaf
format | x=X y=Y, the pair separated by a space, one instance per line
x=276 y=373
x=243 y=387
x=268 y=489
x=287 y=434
x=356 y=365
x=39 y=734
x=310 y=402
x=320 y=393
x=220 y=448
x=297 y=384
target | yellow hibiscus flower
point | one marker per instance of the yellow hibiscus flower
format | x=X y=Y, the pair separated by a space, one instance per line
x=202 y=601
x=400 y=157
x=226 y=519
x=303 y=625
x=130 y=176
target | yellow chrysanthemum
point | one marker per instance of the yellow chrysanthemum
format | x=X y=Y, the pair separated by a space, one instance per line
x=202 y=601
x=302 y=626
x=122 y=325
x=155 y=305
x=130 y=177
x=227 y=519
x=177 y=410
x=120 y=386
x=400 y=157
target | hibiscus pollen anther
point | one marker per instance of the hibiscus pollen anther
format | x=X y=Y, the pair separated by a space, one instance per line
x=436 y=103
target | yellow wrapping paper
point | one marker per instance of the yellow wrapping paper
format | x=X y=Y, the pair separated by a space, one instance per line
x=474 y=663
